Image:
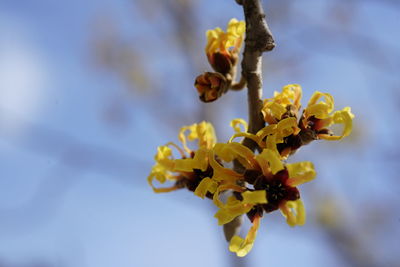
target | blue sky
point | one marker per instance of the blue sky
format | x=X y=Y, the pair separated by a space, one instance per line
x=73 y=190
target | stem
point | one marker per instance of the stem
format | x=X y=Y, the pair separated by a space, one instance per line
x=258 y=40
x=239 y=85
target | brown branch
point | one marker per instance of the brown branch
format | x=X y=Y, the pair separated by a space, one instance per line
x=258 y=40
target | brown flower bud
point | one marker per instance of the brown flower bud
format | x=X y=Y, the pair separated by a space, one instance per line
x=210 y=86
x=222 y=62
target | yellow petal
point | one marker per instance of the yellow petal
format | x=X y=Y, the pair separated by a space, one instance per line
x=274 y=109
x=242 y=246
x=232 y=200
x=181 y=152
x=234 y=207
x=220 y=173
x=212 y=40
x=317 y=95
x=251 y=136
x=272 y=141
x=267 y=130
x=224 y=216
x=231 y=151
x=230 y=212
x=237 y=28
x=245 y=153
x=300 y=172
x=182 y=137
x=294 y=212
x=218 y=40
x=164 y=157
x=297 y=94
x=160 y=174
x=222 y=188
x=301 y=213
x=291 y=94
x=234 y=34
x=320 y=109
x=288 y=214
x=254 y=197
x=203 y=132
x=285 y=128
x=235 y=124
x=206 y=135
x=164 y=164
x=270 y=160
x=200 y=161
x=277 y=106
x=165 y=189
x=213 y=34
x=184 y=165
x=206 y=185
x=277 y=132
x=344 y=117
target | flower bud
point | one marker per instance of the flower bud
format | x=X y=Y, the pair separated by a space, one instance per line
x=222 y=62
x=222 y=47
x=210 y=86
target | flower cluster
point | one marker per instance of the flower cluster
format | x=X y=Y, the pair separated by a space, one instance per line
x=258 y=182
x=222 y=51
x=265 y=182
x=287 y=130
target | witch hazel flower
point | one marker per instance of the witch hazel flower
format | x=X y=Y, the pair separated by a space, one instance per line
x=287 y=130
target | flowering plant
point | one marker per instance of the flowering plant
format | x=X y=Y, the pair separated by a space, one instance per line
x=259 y=180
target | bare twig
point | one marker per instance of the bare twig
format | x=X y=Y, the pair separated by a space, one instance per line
x=258 y=40
x=239 y=85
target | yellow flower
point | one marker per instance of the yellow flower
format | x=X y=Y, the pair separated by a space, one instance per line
x=260 y=183
x=269 y=136
x=192 y=167
x=266 y=185
x=285 y=103
x=318 y=116
x=286 y=133
x=222 y=47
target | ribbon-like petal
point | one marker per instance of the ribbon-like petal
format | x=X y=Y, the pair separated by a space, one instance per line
x=300 y=172
x=242 y=246
x=294 y=212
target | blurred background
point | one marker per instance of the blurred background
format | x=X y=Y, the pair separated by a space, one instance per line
x=89 y=89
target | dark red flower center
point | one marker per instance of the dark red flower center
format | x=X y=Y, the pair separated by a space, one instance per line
x=276 y=188
x=191 y=180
